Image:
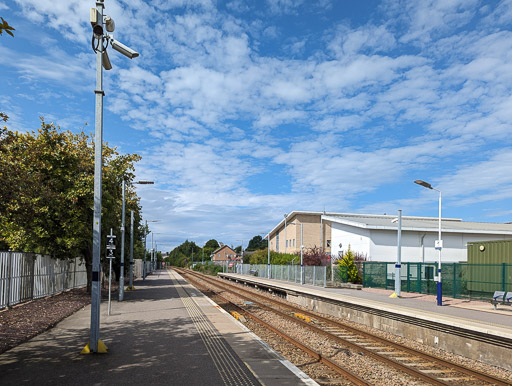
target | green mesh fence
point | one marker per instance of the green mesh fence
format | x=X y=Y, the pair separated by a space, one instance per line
x=460 y=280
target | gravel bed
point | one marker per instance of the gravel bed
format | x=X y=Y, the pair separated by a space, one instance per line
x=367 y=368
x=24 y=321
x=470 y=363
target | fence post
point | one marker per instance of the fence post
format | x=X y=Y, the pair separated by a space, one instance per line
x=314 y=274
x=33 y=282
x=386 y=277
x=9 y=275
x=454 y=280
x=418 y=275
x=503 y=276
x=325 y=276
x=408 y=277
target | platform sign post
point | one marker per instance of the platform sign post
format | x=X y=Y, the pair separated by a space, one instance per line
x=398 y=265
x=121 y=275
x=111 y=246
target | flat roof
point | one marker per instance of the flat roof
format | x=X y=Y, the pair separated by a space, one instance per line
x=424 y=224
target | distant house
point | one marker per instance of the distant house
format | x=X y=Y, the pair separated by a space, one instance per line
x=224 y=253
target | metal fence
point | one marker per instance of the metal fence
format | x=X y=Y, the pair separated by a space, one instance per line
x=313 y=275
x=460 y=280
x=27 y=276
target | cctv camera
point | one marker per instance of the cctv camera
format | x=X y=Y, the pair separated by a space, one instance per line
x=96 y=23
x=106 y=61
x=126 y=51
x=109 y=22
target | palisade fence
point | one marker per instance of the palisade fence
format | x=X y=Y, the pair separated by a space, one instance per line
x=27 y=276
x=313 y=275
x=460 y=280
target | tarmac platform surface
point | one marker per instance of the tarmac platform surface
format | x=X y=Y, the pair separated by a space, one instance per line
x=164 y=332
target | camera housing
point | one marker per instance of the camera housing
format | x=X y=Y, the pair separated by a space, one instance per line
x=121 y=48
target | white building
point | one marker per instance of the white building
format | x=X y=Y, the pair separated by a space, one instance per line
x=376 y=236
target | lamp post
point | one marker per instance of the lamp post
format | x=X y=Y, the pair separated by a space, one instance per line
x=145 y=236
x=285 y=239
x=268 y=250
x=438 y=244
x=130 y=286
x=102 y=61
x=301 y=250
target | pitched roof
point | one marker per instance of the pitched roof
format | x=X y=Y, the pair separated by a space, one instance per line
x=222 y=247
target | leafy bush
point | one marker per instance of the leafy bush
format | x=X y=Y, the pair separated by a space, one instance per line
x=208 y=268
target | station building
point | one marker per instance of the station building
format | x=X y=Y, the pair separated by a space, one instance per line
x=375 y=236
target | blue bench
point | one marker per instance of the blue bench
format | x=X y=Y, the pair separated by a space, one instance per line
x=500 y=297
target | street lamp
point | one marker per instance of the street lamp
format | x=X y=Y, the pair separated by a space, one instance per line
x=130 y=286
x=438 y=243
x=98 y=44
x=285 y=239
x=145 y=237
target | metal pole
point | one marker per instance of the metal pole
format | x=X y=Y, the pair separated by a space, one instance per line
x=268 y=249
x=398 y=279
x=110 y=282
x=144 y=262
x=301 y=255
x=121 y=276
x=152 y=256
x=94 y=335
x=439 y=247
x=131 y=251
x=285 y=239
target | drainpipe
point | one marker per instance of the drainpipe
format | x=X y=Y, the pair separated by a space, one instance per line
x=423 y=248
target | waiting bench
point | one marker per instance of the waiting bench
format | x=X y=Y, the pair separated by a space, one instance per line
x=501 y=297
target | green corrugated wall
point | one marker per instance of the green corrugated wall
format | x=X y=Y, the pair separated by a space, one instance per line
x=494 y=252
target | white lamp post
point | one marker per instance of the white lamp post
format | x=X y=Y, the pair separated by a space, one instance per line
x=438 y=244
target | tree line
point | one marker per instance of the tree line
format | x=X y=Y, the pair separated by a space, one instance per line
x=47 y=194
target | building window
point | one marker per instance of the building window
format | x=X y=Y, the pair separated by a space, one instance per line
x=277 y=242
x=293 y=242
x=286 y=243
x=328 y=243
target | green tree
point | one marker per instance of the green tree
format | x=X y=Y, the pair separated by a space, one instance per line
x=46 y=192
x=348 y=261
x=257 y=243
x=210 y=246
x=181 y=256
x=4 y=26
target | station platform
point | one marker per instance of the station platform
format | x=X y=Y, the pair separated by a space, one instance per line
x=470 y=314
x=472 y=329
x=164 y=332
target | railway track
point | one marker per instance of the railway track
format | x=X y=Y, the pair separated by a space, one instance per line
x=417 y=364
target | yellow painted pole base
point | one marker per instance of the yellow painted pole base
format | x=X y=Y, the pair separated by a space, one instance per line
x=102 y=348
x=394 y=295
x=130 y=288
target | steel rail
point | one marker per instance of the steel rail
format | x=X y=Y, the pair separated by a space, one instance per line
x=442 y=362
x=387 y=361
x=311 y=352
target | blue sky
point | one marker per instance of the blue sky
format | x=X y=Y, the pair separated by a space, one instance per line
x=246 y=110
